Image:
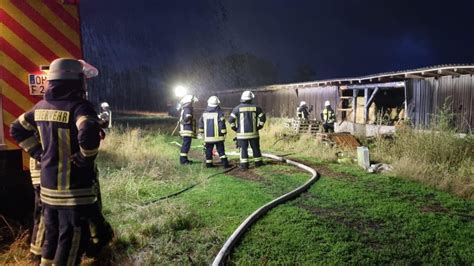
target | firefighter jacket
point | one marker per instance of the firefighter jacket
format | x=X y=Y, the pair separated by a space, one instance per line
x=212 y=125
x=328 y=116
x=187 y=123
x=247 y=119
x=69 y=135
x=303 y=112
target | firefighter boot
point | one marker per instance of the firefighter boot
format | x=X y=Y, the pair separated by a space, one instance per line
x=244 y=166
x=101 y=234
x=209 y=165
x=258 y=163
x=184 y=160
x=225 y=163
x=35 y=259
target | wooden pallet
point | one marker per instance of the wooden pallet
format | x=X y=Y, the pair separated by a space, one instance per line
x=304 y=126
x=343 y=140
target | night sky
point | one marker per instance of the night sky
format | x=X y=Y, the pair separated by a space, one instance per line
x=334 y=38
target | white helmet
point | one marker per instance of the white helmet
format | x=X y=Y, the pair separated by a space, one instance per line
x=302 y=103
x=247 y=96
x=213 y=101
x=104 y=105
x=188 y=99
x=327 y=103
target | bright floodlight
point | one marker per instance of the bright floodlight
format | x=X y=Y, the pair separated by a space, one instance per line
x=180 y=91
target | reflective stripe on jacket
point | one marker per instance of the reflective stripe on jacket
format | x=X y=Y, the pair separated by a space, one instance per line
x=212 y=125
x=247 y=119
x=35 y=171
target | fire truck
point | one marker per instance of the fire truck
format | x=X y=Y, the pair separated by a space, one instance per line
x=32 y=34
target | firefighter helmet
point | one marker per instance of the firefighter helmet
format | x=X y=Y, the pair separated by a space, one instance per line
x=65 y=68
x=327 y=103
x=302 y=103
x=104 y=105
x=189 y=99
x=247 y=96
x=213 y=101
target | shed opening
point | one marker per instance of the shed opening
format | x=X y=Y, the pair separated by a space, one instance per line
x=381 y=104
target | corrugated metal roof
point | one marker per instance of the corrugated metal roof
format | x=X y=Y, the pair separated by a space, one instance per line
x=419 y=73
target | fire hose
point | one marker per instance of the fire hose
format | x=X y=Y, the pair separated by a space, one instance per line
x=247 y=223
x=244 y=226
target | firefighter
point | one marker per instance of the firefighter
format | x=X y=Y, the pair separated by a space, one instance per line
x=302 y=112
x=212 y=127
x=37 y=233
x=247 y=119
x=328 y=117
x=105 y=115
x=68 y=130
x=187 y=127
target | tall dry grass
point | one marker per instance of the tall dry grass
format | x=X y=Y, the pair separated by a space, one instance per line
x=276 y=136
x=14 y=245
x=137 y=165
x=130 y=148
x=438 y=157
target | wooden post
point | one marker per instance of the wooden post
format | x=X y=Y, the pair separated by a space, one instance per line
x=354 y=104
x=366 y=106
x=406 y=102
x=369 y=102
x=371 y=99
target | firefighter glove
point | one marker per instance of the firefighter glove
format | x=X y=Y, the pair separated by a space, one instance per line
x=79 y=160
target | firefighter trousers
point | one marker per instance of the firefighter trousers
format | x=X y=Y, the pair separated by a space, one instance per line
x=67 y=235
x=244 y=155
x=37 y=234
x=220 y=150
x=183 y=156
x=328 y=127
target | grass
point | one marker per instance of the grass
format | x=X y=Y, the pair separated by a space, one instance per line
x=361 y=218
x=438 y=158
x=348 y=217
x=276 y=137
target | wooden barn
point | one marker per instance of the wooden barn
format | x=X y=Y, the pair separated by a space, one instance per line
x=375 y=103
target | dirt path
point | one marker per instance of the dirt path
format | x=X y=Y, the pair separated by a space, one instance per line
x=325 y=171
